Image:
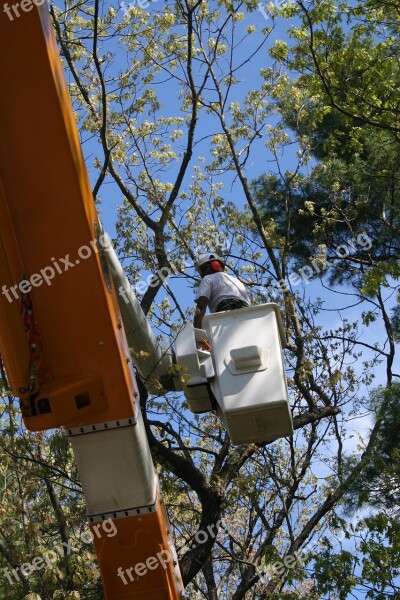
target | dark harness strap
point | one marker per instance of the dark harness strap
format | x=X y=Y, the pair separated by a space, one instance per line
x=231 y=304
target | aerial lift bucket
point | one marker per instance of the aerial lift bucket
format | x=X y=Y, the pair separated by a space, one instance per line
x=242 y=376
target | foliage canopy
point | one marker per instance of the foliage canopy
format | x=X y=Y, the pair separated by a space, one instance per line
x=203 y=124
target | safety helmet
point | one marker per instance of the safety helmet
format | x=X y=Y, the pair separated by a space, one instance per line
x=207 y=258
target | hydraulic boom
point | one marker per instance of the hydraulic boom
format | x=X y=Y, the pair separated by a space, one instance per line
x=61 y=332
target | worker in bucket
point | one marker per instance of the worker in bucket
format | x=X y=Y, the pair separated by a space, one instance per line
x=217 y=290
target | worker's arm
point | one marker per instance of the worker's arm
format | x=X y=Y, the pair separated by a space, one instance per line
x=200 y=311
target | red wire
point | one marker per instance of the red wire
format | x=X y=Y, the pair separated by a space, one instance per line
x=28 y=320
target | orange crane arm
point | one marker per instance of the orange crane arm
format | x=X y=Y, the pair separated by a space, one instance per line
x=61 y=333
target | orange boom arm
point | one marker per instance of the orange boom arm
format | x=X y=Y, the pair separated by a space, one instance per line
x=61 y=333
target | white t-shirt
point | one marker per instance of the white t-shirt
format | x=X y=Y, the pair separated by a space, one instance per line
x=221 y=286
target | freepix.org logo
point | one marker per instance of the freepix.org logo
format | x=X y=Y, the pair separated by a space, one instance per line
x=269 y=9
x=59 y=266
x=143 y=4
x=13 y=11
x=59 y=551
x=165 y=556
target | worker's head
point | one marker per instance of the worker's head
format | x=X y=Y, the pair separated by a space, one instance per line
x=210 y=263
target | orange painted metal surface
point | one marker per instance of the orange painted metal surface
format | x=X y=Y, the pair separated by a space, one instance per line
x=47 y=210
x=61 y=334
x=138 y=563
x=13 y=337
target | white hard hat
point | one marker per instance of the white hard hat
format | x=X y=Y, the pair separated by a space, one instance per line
x=206 y=258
